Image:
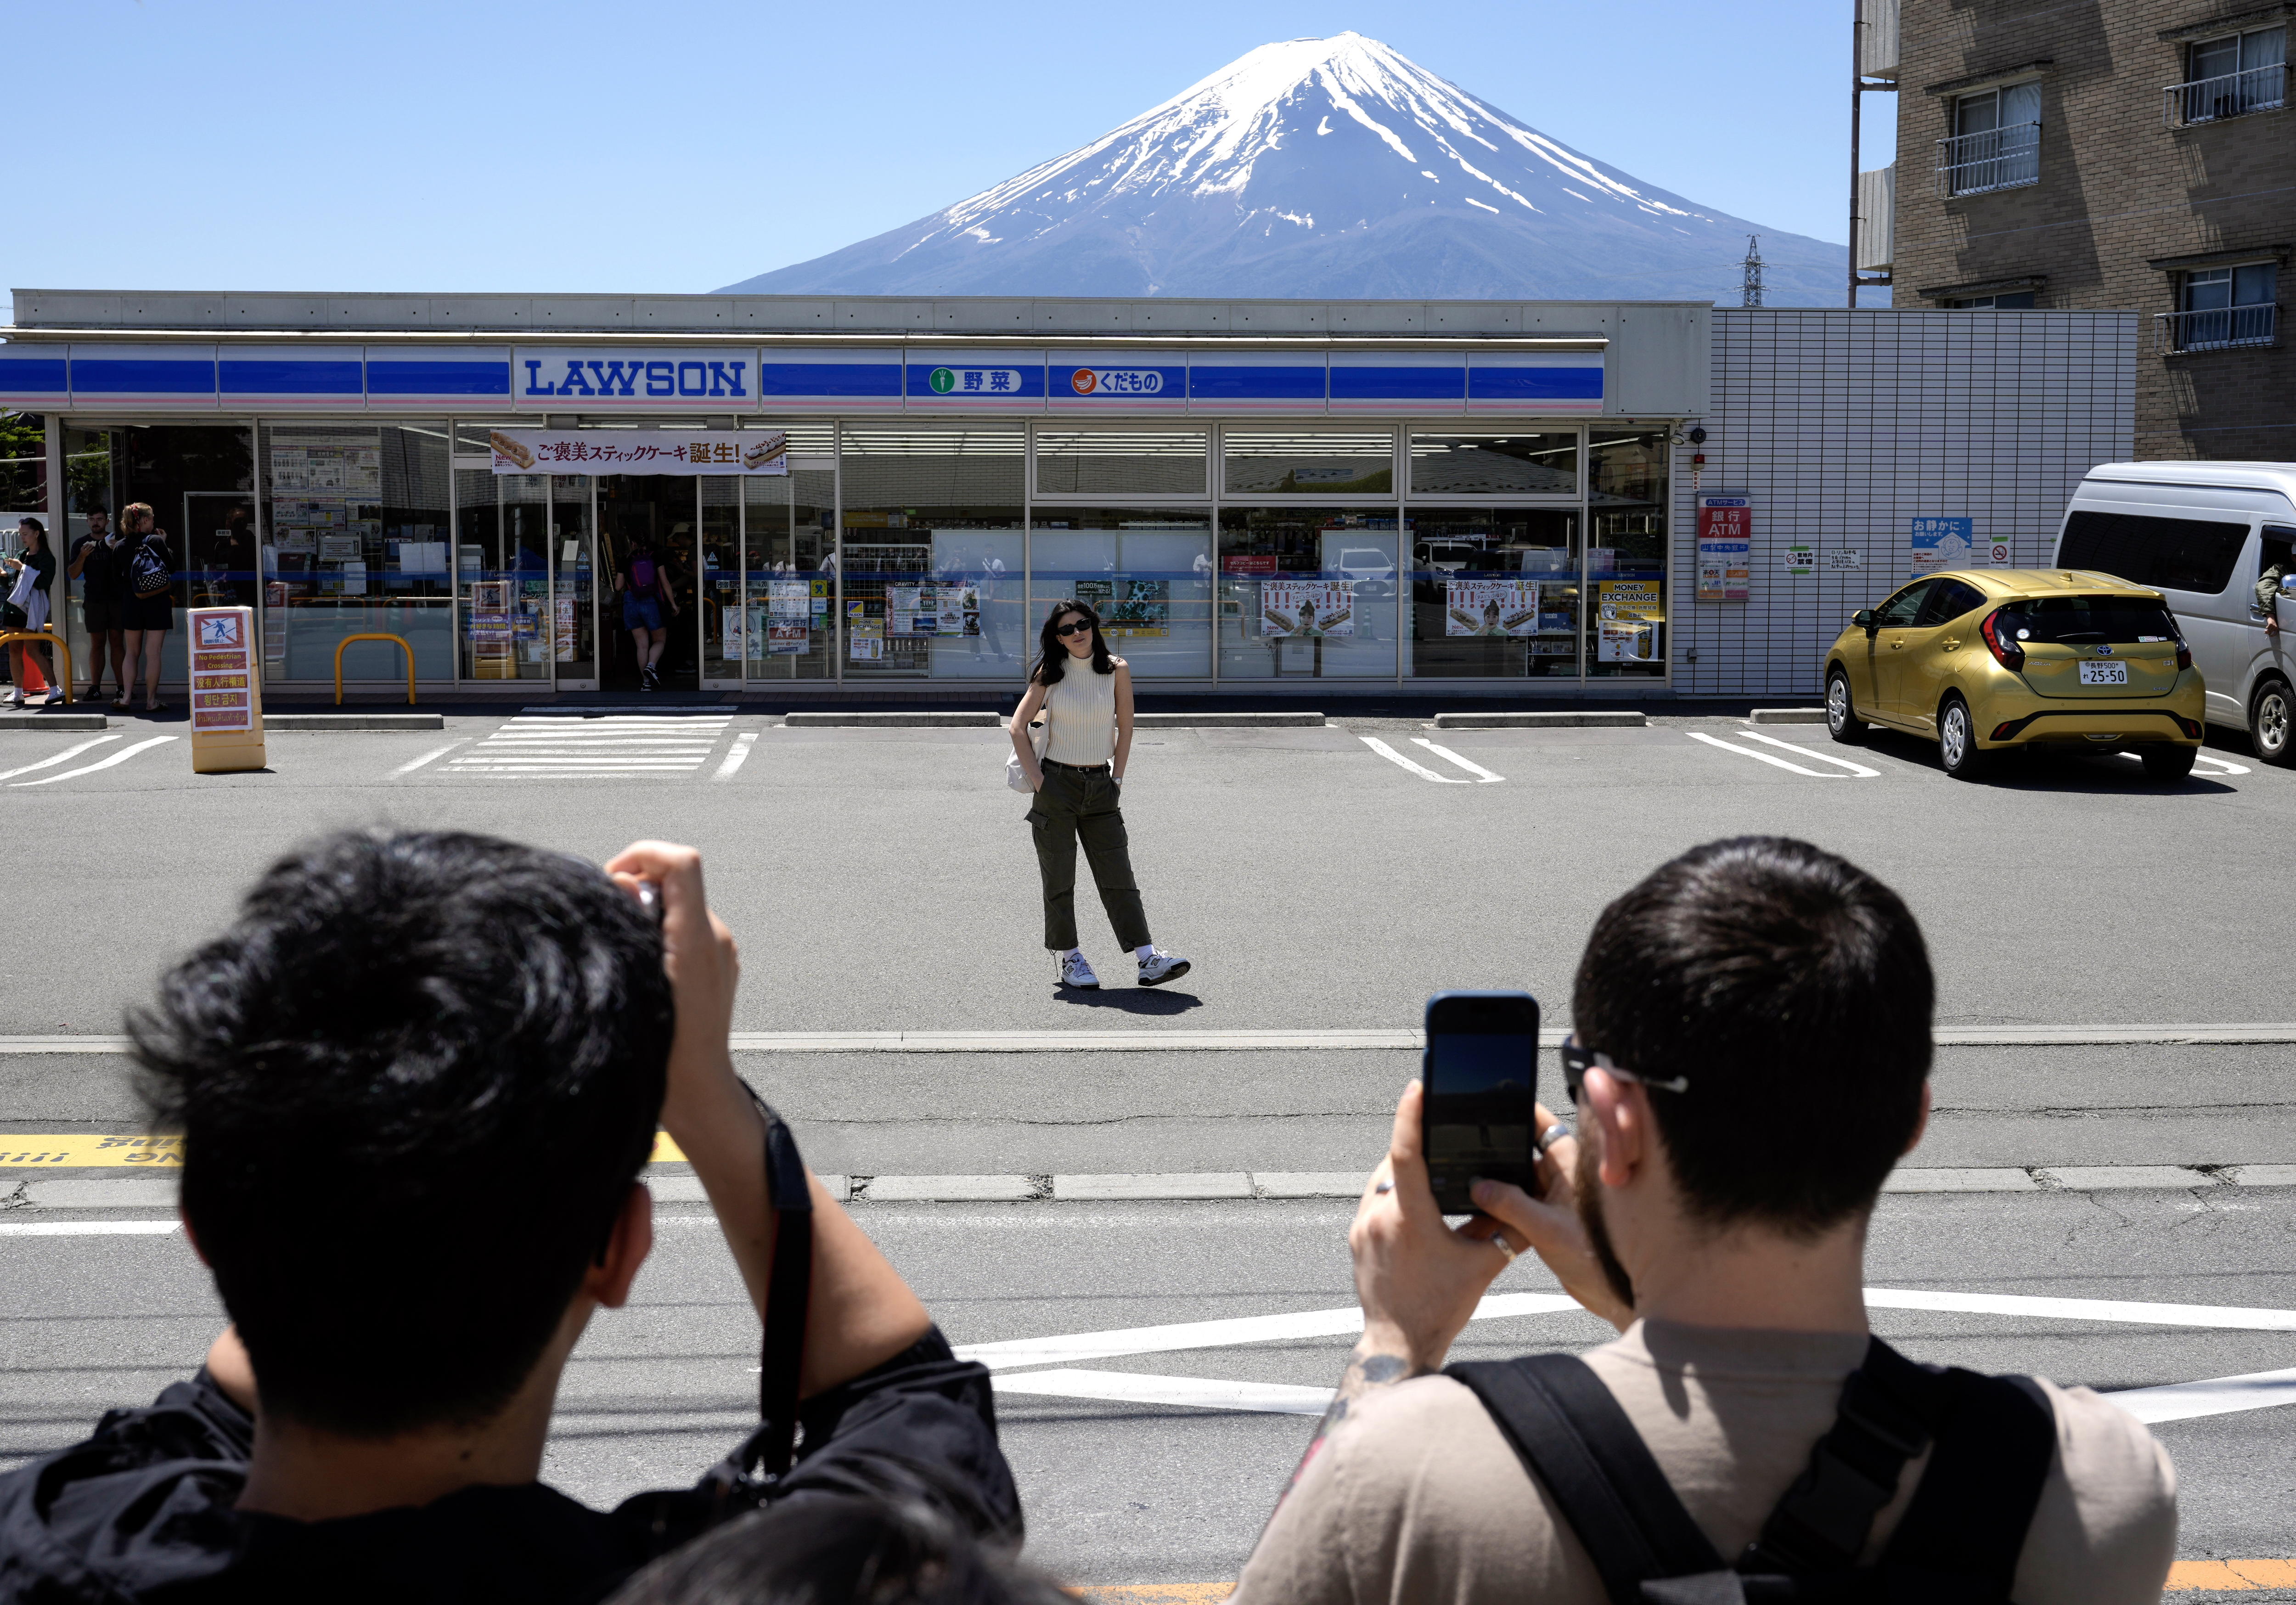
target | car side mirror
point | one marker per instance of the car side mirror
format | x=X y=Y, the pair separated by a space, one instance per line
x=1863 y=619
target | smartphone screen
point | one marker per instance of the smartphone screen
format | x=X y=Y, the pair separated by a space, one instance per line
x=1479 y=1077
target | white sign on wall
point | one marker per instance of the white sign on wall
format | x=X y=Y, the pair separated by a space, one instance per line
x=663 y=451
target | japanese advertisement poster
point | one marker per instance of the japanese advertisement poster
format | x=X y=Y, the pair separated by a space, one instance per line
x=932 y=609
x=1499 y=606
x=1306 y=608
x=1726 y=548
x=1129 y=607
x=1940 y=543
x=666 y=451
x=1628 y=616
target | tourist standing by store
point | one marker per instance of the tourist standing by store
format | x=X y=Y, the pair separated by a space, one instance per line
x=1085 y=693
x=647 y=600
x=30 y=573
x=147 y=610
x=94 y=562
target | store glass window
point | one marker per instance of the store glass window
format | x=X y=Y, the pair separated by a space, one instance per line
x=932 y=551
x=720 y=603
x=1497 y=462
x=1334 y=462
x=1123 y=462
x=502 y=542
x=1146 y=571
x=354 y=543
x=199 y=480
x=24 y=470
x=87 y=476
x=1494 y=592
x=1308 y=592
x=1626 y=552
x=573 y=579
x=789 y=533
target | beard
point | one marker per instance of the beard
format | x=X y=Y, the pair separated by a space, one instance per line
x=1586 y=1188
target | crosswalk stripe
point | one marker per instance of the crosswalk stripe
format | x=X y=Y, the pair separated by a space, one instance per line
x=1421 y=770
x=1480 y=774
x=569 y=746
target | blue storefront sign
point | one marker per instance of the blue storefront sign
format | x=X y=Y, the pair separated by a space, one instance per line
x=976 y=378
x=1095 y=381
x=563 y=379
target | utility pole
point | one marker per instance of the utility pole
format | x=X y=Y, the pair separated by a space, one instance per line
x=1750 y=290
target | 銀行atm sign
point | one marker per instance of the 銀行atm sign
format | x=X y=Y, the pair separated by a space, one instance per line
x=623 y=379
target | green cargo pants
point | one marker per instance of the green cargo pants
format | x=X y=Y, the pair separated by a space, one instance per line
x=1083 y=803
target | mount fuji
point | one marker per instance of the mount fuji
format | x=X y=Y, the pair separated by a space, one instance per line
x=1324 y=167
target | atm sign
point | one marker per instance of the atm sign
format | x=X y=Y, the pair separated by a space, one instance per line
x=1116 y=381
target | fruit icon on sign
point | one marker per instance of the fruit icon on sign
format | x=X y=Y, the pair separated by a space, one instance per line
x=942 y=381
x=1084 y=382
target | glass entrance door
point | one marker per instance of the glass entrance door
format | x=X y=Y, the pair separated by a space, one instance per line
x=573 y=596
x=647 y=560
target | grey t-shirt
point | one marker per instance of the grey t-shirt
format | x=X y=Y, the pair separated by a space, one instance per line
x=1416 y=1499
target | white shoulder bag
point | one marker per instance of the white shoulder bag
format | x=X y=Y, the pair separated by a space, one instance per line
x=1039 y=733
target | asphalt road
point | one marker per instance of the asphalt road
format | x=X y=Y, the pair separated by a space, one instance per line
x=883 y=882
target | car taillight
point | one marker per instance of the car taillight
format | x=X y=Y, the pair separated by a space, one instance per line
x=2007 y=653
x=2184 y=654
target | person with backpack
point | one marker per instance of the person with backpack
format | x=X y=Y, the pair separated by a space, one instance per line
x=645 y=594
x=147 y=570
x=1749 y=1059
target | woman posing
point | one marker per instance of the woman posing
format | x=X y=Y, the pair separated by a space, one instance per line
x=1085 y=696
x=28 y=579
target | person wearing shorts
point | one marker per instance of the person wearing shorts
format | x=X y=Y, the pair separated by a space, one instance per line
x=646 y=599
x=146 y=619
x=94 y=562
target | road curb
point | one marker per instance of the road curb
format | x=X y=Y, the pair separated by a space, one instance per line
x=921 y=720
x=1227 y=721
x=354 y=721
x=1786 y=716
x=682 y=1187
x=52 y=721
x=1576 y=719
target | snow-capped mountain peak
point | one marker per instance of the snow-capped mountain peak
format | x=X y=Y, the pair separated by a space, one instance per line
x=1318 y=167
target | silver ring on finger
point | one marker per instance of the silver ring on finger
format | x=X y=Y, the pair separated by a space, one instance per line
x=1552 y=1134
x=1505 y=1247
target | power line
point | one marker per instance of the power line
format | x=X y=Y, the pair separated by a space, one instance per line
x=1750 y=290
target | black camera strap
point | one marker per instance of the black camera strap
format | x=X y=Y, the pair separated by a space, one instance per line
x=788 y=1296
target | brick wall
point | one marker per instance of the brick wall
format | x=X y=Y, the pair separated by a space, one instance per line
x=2118 y=189
x=1844 y=427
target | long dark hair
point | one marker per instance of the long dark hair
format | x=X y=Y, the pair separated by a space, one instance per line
x=1052 y=652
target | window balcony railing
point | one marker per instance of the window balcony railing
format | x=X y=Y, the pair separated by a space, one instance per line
x=2229 y=94
x=1999 y=159
x=2219 y=329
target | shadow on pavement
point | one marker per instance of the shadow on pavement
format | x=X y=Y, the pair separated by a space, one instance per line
x=1131 y=1000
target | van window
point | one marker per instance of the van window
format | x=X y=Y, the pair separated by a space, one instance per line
x=2085 y=621
x=2175 y=554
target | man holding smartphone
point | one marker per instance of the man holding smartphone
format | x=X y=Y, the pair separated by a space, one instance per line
x=1750 y=1062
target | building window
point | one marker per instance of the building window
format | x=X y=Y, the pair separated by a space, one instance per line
x=1995 y=142
x=2230 y=75
x=2020 y=301
x=2219 y=307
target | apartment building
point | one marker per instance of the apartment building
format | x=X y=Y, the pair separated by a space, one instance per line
x=2110 y=154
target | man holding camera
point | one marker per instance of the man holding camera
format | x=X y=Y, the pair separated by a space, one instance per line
x=417 y=1081
x=1750 y=1061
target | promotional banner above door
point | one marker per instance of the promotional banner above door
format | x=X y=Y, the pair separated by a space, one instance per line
x=664 y=451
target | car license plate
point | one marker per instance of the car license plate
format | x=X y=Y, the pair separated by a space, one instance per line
x=2104 y=674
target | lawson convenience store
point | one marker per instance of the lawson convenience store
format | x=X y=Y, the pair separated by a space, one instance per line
x=868 y=494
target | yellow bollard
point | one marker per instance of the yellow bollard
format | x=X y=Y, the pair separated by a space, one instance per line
x=42 y=638
x=403 y=647
x=226 y=691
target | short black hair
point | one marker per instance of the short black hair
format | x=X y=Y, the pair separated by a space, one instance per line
x=839 y=1549
x=415 y=1079
x=1792 y=991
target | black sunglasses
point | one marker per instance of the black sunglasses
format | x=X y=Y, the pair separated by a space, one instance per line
x=1073 y=629
x=1577 y=1060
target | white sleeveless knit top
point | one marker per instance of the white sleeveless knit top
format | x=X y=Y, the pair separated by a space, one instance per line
x=1081 y=717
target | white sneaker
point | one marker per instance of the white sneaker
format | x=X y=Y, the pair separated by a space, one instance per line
x=1160 y=967
x=1075 y=972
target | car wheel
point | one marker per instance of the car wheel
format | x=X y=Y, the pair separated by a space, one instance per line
x=1842 y=720
x=2272 y=724
x=2167 y=763
x=1958 y=741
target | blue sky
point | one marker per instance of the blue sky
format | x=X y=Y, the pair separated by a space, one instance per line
x=579 y=146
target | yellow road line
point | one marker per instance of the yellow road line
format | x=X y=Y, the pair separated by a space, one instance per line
x=88 y=1149
x=1156 y=1593
x=2230 y=1577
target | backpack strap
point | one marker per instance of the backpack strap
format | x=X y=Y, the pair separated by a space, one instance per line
x=1995 y=1442
x=1578 y=1444
x=1888 y=1409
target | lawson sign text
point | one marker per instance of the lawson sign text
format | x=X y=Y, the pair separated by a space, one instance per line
x=641 y=378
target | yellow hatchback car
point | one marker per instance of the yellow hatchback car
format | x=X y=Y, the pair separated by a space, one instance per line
x=1986 y=660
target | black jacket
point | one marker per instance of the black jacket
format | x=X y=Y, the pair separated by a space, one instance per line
x=143 y=1510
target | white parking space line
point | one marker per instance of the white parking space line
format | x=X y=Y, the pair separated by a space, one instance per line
x=1194 y=1392
x=1421 y=770
x=1481 y=775
x=67 y=753
x=564 y=746
x=2217 y=1395
x=87 y=1228
x=1700 y=735
x=1859 y=770
x=2223 y=766
x=737 y=756
x=432 y=756
x=120 y=756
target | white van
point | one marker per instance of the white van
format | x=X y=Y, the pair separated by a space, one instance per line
x=2202 y=533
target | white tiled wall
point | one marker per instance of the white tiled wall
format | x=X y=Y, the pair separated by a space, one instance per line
x=1845 y=425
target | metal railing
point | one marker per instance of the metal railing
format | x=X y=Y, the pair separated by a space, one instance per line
x=1999 y=159
x=2219 y=329
x=2228 y=95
